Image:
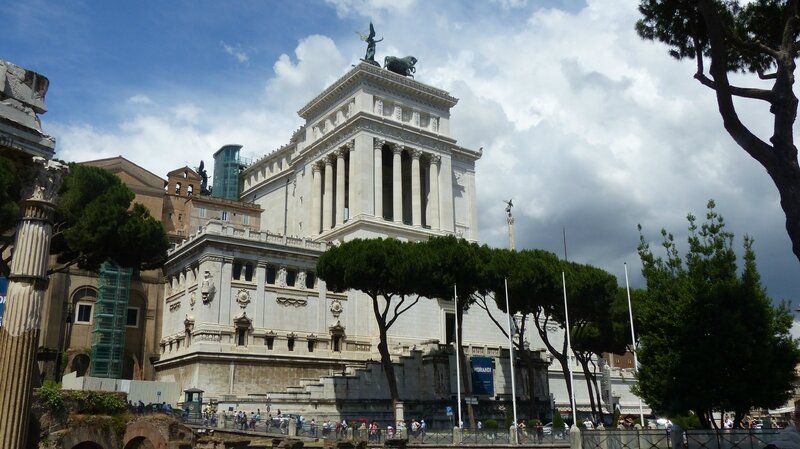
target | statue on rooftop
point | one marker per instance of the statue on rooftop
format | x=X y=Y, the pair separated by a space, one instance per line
x=401 y=66
x=204 y=190
x=370 y=40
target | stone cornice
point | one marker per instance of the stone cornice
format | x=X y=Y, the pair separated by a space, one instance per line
x=364 y=72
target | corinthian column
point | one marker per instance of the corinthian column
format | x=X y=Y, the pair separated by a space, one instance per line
x=378 y=169
x=19 y=335
x=433 y=198
x=352 y=176
x=397 y=185
x=327 y=207
x=416 y=194
x=316 y=193
x=339 y=212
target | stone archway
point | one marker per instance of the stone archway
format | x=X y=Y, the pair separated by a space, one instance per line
x=156 y=433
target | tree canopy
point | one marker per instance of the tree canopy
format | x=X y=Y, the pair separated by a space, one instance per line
x=95 y=222
x=387 y=271
x=711 y=340
x=759 y=37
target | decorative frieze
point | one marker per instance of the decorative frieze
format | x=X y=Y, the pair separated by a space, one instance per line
x=292 y=302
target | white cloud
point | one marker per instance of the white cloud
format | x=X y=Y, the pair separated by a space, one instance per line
x=236 y=52
x=370 y=8
x=140 y=99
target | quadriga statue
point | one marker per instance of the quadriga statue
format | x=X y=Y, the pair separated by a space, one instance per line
x=401 y=66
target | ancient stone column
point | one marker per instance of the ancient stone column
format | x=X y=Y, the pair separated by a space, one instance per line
x=433 y=198
x=19 y=335
x=397 y=184
x=378 y=145
x=316 y=193
x=416 y=192
x=339 y=210
x=327 y=207
x=352 y=179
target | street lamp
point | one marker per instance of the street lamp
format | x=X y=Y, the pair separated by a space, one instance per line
x=518 y=319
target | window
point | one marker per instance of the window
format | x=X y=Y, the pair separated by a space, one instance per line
x=271 y=273
x=245 y=219
x=269 y=341
x=178 y=189
x=201 y=212
x=337 y=343
x=241 y=337
x=224 y=216
x=248 y=272
x=309 y=279
x=237 y=270
x=290 y=343
x=310 y=345
x=83 y=313
x=132 y=319
x=291 y=277
x=450 y=328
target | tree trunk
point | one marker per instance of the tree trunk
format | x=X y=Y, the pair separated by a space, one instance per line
x=465 y=378
x=780 y=159
x=388 y=369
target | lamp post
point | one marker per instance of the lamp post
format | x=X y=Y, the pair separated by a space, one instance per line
x=633 y=342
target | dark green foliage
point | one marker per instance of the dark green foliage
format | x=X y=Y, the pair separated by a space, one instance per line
x=490 y=424
x=681 y=25
x=558 y=421
x=711 y=339
x=687 y=421
x=9 y=195
x=95 y=222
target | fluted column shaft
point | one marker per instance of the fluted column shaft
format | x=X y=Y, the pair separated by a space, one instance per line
x=416 y=192
x=327 y=208
x=397 y=185
x=19 y=336
x=339 y=211
x=316 y=194
x=351 y=174
x=378 y=168
x=433 y=197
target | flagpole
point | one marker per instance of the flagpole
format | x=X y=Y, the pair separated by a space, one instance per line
x=569 y=350
x=458 y=363
x=633 y=342
x=511 y=358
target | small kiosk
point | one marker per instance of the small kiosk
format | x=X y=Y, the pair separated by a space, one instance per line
x=193 y=400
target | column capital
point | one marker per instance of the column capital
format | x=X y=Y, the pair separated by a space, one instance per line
x=329 y=158
x=434 y=159
x=317 y=166
x=396 y=148
x=415 y=153
x=350 y=145
x=341 y=152
x=43 y=180
x=378 y=143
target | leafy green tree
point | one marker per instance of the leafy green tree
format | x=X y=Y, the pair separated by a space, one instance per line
x=533 y=281
x=711 y=340
x=95 y=221
x=386 y=271
x=454 y=262
x=9 y=195
x=758 y=37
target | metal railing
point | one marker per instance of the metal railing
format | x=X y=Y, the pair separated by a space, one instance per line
x=678 y=439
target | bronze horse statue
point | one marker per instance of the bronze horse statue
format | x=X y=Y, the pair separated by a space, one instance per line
x=401 y=66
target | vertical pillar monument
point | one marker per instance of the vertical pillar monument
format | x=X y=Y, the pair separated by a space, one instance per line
x=19 y=336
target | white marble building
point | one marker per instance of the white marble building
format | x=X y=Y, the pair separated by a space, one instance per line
x=246 y=317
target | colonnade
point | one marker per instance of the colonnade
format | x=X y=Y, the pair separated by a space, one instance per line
x=338 y=171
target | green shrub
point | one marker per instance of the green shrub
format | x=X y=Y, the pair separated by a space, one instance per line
x=52 y=396
x=558 y=421
x=533 y=423
x=490 y=424
x=615 y=421
x=690 y=421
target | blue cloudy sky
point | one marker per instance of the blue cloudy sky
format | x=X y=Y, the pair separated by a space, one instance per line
x=584 y=125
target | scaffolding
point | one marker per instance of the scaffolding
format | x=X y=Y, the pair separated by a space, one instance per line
x=227 y=166
x=110 y=318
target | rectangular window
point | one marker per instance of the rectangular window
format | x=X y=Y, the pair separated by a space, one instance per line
x=271 y=275
x=83 y=313
x=201 y=212
x=291 y=277
x=310 y=345
x=269 y=342
x=290 y=343
x=132 y=319
x=309 y=279
x=450 y=328
x=237 y=270
x=248 y=272
x=224 y=216
x=337 y=343
x=245 y=219
x=241 y=337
